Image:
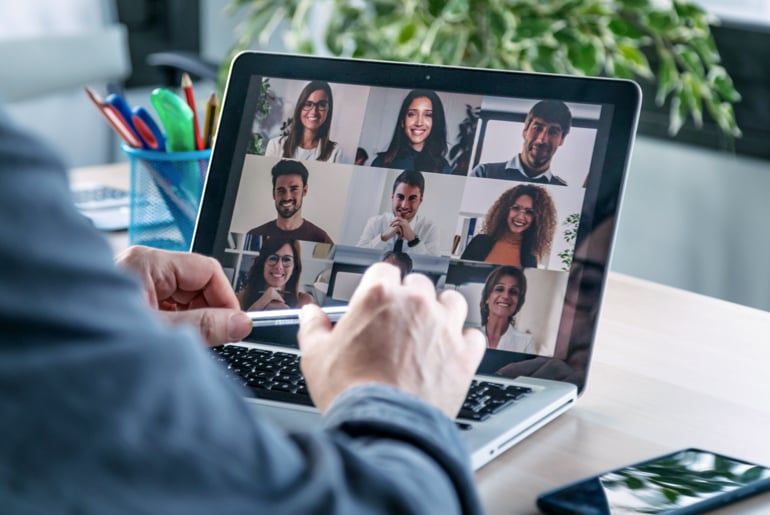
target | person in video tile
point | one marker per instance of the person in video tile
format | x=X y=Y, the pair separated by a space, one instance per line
x=273 y=279
x=419 y=139
x=290 y=186
x=518 y=229
x=545 y=127
x=402 y=229
x=502 y=298
x=308 y=137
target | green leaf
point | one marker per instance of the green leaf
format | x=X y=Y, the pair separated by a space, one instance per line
x=692 y=86
x=533 y=28
x=678 y=112
x=586 y=56
x=668 y=76
x=662 y=21
x=691 y=61
x=625 y=29
x=636 y=59
x=436 y=6
x=407 y=32
x=723 y=84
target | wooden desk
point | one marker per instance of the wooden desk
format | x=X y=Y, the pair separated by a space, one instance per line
x=671 y=369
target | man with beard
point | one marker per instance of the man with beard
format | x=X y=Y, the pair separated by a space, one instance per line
x=545 y=127
x=402 y=230
x=289 y=189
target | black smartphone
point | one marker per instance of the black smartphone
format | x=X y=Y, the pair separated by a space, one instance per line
x=683 y=482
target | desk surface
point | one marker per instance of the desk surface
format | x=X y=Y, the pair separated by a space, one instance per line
x=671 y=369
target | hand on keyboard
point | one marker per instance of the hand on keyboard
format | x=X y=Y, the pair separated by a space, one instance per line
x=396 y=334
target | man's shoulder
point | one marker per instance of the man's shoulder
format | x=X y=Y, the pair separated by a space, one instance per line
x=558 y=181
x=489 y=170
x=268 y=226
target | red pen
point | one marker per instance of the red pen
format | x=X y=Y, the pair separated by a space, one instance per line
x=187 y=86
x=115 y=120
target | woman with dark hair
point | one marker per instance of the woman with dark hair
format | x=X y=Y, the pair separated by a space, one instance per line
x=502 y=298
x=308 y=137
x=419 y=137
x=518 y=229
x=273 y=279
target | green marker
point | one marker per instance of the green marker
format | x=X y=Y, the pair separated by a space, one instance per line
x=177 y=119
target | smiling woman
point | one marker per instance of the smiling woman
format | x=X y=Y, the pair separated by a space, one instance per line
x=419 y=137
x=308 y=136
x=273 y=279
x=502 y=298
x=518 y=229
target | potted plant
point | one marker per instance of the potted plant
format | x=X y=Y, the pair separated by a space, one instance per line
x=670 y=44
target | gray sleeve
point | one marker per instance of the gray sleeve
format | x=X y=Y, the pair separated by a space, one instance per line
x=114 y=412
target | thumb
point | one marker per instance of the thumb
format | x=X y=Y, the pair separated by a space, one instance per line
x=216 y=325
x=313 y=326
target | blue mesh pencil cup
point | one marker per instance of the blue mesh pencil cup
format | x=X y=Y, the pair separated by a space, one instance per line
x=166 y=191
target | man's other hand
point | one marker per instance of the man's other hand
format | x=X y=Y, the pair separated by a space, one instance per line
x=189 y=288
x=397 y=334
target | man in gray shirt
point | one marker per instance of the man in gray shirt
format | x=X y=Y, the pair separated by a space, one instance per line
x=545 y=127
x=109 y=408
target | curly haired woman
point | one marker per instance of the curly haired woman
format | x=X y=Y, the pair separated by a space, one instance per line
x=518 y=229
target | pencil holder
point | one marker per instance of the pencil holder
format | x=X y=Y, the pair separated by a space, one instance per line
x=166 y=191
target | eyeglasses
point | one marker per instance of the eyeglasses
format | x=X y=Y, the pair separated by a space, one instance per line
x=321 y=105
x=527 y=211
x=286 y=260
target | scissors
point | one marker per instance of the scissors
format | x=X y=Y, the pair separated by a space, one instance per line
x=140 y=122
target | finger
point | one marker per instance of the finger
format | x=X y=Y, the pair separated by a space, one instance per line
x=456 y=306
x=379 y=274
x=197 y=273
x=314 y=325
x=216 y=325
x=421 y=283
x=476 y=345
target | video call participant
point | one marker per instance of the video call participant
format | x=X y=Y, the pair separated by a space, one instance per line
x=419 y=139
x=403 y=229
x=502 y=298
x=308 y=137
x=518 y=229
x=290 y=186
x=273 y=280
x=545 y=127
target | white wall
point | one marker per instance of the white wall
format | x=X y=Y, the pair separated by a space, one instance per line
x=697 y=219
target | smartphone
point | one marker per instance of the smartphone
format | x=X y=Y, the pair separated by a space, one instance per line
x=683 y=482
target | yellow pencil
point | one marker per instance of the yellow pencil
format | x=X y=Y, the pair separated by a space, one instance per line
x=210 y=125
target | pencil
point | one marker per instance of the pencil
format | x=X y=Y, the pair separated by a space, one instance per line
x=212 y=106
x=187 y=87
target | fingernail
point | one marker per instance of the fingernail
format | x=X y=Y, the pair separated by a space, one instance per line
x=239 y=326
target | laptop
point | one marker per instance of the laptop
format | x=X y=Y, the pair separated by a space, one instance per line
x=538 y=360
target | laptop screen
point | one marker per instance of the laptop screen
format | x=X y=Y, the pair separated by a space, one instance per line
x=502 y=186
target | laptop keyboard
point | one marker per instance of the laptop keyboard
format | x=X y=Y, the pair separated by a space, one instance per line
x=276 y=376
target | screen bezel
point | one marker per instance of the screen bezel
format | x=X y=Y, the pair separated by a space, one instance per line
x=603 y=190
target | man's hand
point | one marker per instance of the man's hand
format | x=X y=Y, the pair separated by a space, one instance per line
x=403 y=228
x=397 y=334
x=189 y=288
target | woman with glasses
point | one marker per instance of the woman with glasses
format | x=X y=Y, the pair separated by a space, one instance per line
x=273 y=280
x=419 y=139
x=518 y=229
x=502 y=298
x=308 y=137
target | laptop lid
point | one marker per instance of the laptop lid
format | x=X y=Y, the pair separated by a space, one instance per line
x=502 y=185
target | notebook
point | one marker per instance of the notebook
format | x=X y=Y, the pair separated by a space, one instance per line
x=504 y=186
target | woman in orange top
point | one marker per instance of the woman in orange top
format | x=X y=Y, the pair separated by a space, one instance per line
x=518 y=229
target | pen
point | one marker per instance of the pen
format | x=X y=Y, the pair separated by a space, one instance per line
x=212 y=107
x=114 y=118
x=187 y=87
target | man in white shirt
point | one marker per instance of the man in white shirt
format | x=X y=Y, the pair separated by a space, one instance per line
x=402 y=229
